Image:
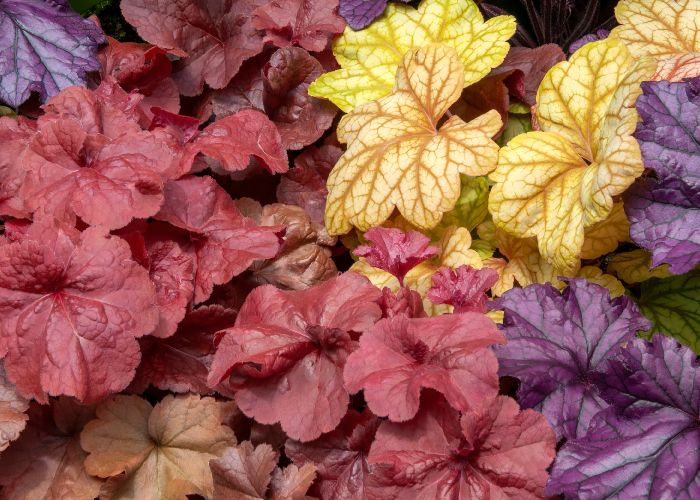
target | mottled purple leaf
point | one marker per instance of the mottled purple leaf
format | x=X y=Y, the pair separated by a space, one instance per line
x=664 y=214
x=556 y=340
x=646 y=444
x=44 y=47
x=591 y=37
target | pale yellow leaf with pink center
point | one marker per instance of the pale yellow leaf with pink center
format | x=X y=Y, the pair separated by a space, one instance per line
x=678 y=67
x=397 y=157
x=660 y=28
x=164 y=451
x=553 y=184
x=370 y=57
x=604 y=236
x=595 y=275
x=634 y=267
x=454 y=245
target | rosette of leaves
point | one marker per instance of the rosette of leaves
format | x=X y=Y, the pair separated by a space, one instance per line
x=554 y=183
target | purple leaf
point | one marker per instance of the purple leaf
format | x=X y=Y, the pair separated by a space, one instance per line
x=359 y=13
x=556 y=341
x=591 y=37
x=44 y=47
x=664 y=214
x=646 y=444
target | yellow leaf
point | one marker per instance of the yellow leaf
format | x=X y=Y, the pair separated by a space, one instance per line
x=604 y=236
x=678 y=67
x=454 y=245
x=633 y=267
x=525 y=264
x=553 y=184
x=496 y=316
x=396 y=156
x=369 y=58
x=595 y=275
x=660 y=28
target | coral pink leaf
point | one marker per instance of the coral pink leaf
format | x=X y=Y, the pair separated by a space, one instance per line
x=286 y=354
x=248 y=133
x=465 y=288
x=494 y=452
x=13 y=408
x=47 y=462
x=405 y=301
x=71 y=305
x=395 y=251
x=340 y=457
x=215 y=36
x=244 y=472
x=15 y=137
x=309 y=23
x=162 y=118
x=223 y=242
x=447 y=353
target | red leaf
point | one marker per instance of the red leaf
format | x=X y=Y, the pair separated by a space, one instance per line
x=278 y=86
x=465 y=290
x=534 y=63
x=216 y=36
x=285 y=357
x=72 y=304
x=495 y=452
x=185 y=124
x=15 y=137
x=305 y=185
x=231 y=139
x=223 y=242
x=395 y=251
x=447 y=353
x=16 y=230
x=405 y=301
x=47 y=460
x=340 y=457
x=181 y=362
x=491 y=92
x=309 y=23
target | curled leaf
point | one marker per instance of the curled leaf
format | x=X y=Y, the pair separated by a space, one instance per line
x=465 y=288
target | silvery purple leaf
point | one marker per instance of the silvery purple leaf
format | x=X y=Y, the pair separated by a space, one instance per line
x=44 y=47
x=556 y=341
x=665 y=213
x=359 y=13
x=647 y=444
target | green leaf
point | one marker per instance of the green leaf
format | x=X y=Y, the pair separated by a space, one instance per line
x=471 y=207
x=673 y=305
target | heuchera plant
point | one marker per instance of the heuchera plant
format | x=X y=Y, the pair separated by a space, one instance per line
x=214 y=285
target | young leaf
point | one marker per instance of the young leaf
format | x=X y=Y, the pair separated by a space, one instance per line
x=156 y=453
x=645 y=445
x=13 y=408
x=47 y=462
x=556 y=341
x=464 y=288
x=396 y=155
x=553 y=184
x=369 y=58
x=394 y=251
x=72 y=304
x=494 y=452
x=310 y=24
x=660 y=28
x=673 y=305
x=400 y=356
x=663 y=212
x=286 y=354
x=635 y=267
x=340 y=457
x=46 y=47
x=406 y=301
x=223 y=242
x=215 y=37
x=470 y=209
